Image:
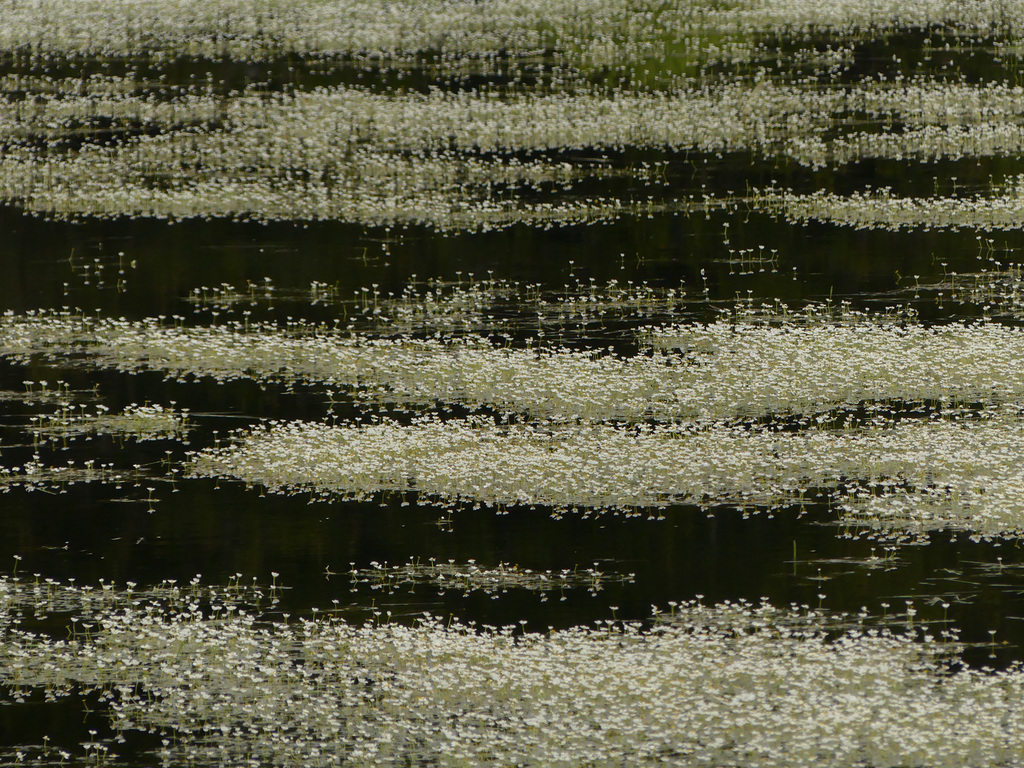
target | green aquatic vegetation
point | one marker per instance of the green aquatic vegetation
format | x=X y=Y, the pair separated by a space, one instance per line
x=996 y=288
x=401 y=370
x=449 y=159
x=478 y=116
x=812 y=314
x=735 y=683
x=705 y=118
x=921 y=101
x=821 y=570
x=590 y=303
x=309 y=127
x=470 y=577
x=437 y=306
x=225 y=297
x=440 y=159
x=1000 y=294
x=342 y=155
x=540 y=381
x=469 y=303
x=59 y=112
x=44 y=392
x=920 y=119
x=306 y=203
x=899 y=481
x=16 y=84
x=872 y=17
x=473 y=461
x=805 y=362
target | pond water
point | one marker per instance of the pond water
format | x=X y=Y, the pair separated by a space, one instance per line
x=483 y=217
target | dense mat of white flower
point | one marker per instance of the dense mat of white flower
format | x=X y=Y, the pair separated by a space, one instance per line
x=353 y=154
x=915 y=476
x=599 y=33
x=709 y=371
x=1001 y=210
x=731 y=684
x=606 y=30
x=737 y=412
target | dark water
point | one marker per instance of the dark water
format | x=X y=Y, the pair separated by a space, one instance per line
x=98 y=531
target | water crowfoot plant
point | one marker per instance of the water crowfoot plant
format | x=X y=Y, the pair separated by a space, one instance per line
x=300 y=160
x=140 y=422
x=733 y=683
x=881 y=209
x=727 y=369
x=470 y=577
x=35 y=475
x=917 y=475
x=468 y=305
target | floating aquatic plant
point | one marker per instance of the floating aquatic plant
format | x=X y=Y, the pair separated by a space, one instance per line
x=36 y=475
x=910 y=477
x=741 y=411
x=37 y=597
x=899 y=482
x=448 y=160
x=880 y=209
x=427 y=191
x=466 y=305
x=453 y=160
x=928 y=143
x=140 y=422
x=805 y=364
x=722 y=370
x=963 y=477
x=44 y=392
x=215 y=128
x=470 y=577
x=1000 y=293
x=446 y=32
x=734 y=683
x=601 y=33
